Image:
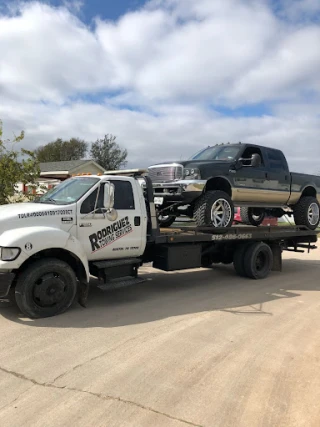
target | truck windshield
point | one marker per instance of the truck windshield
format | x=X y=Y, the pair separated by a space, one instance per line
x=220 y=152
x=68 y=191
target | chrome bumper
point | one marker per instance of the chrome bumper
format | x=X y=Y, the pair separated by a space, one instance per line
x=178 y=188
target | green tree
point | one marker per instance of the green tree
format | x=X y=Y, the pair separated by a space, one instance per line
x=13 y=170
x=107 y=153
x=61 y=150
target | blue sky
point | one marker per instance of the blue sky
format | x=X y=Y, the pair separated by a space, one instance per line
x=166 y=76
x=87 y=10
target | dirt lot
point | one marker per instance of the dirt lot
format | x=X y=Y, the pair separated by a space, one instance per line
x=202 y=348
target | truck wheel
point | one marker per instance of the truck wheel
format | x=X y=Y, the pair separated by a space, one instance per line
x=238 y=259
x=46 y=288
x=258 y=260
x=166 y=220
x=214 y=208
x=251 y=216
x=307 y=212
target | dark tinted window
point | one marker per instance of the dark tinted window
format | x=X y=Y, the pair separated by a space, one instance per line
x=276 y=160
x=247 y=154
x=123 y=195
x=89 y=203
x=123 y=198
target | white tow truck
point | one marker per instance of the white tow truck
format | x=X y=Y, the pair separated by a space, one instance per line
x=106 y=226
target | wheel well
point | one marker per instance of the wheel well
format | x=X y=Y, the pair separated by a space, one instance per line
x=218 y=184
x=61 y=254
x=309 y=191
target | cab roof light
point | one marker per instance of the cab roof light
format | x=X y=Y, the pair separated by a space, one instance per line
x=127 y=172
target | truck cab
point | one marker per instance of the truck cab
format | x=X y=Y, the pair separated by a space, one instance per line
x=81 y=206
x=82 y=221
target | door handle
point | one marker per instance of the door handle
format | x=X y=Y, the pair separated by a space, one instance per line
x=137 y=221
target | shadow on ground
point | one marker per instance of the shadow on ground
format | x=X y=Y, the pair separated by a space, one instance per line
x=166 y=295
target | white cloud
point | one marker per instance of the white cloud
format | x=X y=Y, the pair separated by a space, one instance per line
x=169 y=60
x=176 y=133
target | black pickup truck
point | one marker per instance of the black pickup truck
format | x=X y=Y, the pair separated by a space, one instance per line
x=257 y=179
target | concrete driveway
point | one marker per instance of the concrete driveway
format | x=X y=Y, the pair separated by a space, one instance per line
x=198 y=348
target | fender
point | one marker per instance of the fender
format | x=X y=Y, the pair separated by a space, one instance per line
x=311 y=185
x=225 y=178
x=32 y=240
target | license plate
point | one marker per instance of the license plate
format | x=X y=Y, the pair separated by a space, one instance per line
x=158 y=200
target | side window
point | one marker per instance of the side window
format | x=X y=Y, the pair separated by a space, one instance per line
x=276 y=160
x=123 y=198
x=123 y=195
x=247 y=154
x=89 y=203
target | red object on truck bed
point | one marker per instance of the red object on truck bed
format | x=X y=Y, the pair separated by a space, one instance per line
x=268 y=221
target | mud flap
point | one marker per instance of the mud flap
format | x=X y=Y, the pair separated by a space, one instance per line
x=83 y=292
x=277 y=257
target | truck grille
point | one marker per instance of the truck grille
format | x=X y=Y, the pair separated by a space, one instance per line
x=165 y=173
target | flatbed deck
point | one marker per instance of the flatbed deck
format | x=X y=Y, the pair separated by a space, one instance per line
x=236 y=233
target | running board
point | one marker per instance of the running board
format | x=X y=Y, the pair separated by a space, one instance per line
x=122 y=283
x=116 y=269
x=116 y=263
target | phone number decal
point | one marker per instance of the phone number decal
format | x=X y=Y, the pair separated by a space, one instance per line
x=232 y=236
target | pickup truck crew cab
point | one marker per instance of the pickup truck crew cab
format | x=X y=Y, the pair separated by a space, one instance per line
x=106 y=226
x=255 y=178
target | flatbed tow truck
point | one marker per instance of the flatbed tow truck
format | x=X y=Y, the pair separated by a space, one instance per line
x=106 y=226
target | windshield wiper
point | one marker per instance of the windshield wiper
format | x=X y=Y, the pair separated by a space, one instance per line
x=49 y=201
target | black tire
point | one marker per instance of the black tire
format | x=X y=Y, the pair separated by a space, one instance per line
x=249 y=217
x=204 y=205
x=166 y=221
x=303 y=215
x=238 y=259
x=258 y=260
x=46 y=288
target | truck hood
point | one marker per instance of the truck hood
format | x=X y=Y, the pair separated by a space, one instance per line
x=18 y=215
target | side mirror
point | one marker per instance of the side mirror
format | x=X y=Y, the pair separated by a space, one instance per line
x=108 y=200
x=256 y=160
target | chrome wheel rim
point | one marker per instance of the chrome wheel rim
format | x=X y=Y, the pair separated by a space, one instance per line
x=221 y=213
x=313 y=214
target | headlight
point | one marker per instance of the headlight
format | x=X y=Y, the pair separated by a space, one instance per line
x=192 y=173
x=9 y=254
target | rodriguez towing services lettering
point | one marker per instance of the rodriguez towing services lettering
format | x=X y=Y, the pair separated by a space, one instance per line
x=108 y=235
x=45 y=213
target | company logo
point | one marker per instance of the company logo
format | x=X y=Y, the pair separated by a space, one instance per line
x=28 y=246
x=106 y=236
x=67 y=219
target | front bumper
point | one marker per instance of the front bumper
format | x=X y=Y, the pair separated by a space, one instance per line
x=179 y=191
x=6 y=279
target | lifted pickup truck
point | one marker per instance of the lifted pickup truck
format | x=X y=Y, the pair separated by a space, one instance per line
x=106 y=226
x=257 y=179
